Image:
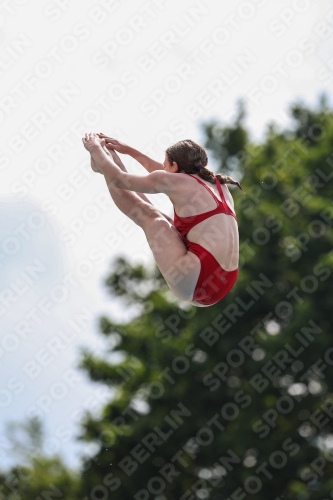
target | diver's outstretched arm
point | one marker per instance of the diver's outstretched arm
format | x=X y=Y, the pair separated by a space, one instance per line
x=148 y=163
x=109 y=152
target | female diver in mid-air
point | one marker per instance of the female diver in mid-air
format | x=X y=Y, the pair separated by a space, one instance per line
x=197 y=252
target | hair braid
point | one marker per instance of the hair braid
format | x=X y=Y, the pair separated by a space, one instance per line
x=226 y=179
x=189 y=155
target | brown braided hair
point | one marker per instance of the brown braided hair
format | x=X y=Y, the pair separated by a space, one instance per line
x=189 y=155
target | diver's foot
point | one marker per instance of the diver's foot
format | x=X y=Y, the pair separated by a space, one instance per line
x=94 y=165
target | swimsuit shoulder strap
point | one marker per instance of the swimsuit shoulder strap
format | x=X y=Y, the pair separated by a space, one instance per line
x=220 y=189
x=209 y=190
x=223 y=197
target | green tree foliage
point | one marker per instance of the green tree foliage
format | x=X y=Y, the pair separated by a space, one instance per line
x=37 y=477
x=232 y=401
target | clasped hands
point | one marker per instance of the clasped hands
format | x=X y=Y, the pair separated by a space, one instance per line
x=99 y=139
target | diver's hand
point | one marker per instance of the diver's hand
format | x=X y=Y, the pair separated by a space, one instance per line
x=113 y=144
x=91 y=141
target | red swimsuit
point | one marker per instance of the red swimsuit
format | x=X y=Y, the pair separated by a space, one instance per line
x=214 y=282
